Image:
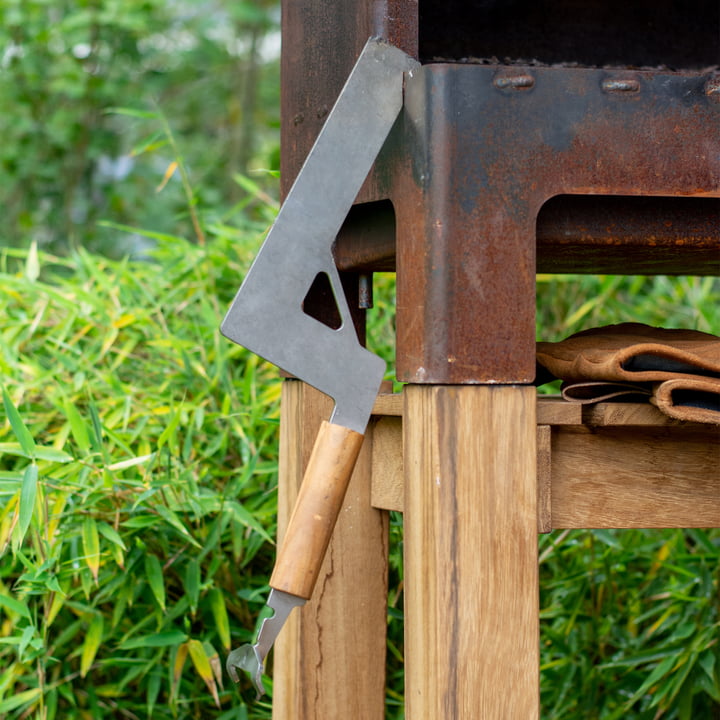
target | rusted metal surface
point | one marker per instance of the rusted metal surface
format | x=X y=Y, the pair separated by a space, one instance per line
x=482 y=148
x=638 y=235
x=575 y=234
x=320 y=43
x=481 y=159
x=367 y=239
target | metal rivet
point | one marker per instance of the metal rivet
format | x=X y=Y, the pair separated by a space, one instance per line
x=298 y=119
x=621 y=85
x=712 y=88
x=322 y=112
x=514 y=82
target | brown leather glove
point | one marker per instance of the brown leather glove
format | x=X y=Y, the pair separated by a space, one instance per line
x=632 y=352
x=696 y=400
x=678 y=370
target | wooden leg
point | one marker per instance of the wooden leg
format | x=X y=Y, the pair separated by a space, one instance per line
x=471 y=572
x=329 y=660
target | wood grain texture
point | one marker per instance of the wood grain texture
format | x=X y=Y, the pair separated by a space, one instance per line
x=554 y=410
x=329 y=660
x=639 y=477
x=665 y=474
x=544 y=478
x=631 y=414
x=471 y=575
x=388 y=403
x=316 y=509
x=388 y=484
x=551 y=409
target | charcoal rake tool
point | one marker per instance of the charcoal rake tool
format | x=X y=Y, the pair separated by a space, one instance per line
x=267 y=318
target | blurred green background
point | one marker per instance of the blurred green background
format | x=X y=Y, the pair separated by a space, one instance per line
x=68 y=159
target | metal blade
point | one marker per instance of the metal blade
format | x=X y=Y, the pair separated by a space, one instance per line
x=267 y=316
x=251 y=658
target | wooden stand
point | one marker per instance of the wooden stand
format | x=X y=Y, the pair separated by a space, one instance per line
x=477 y=471
x=471 y=570
x=329 y=660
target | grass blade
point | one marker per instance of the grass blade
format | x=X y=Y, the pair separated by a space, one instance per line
x=153 y=571
x=202 y=665
x=28 y=493
x=192 y=583
x=18 y=427
x=219 y=611
x=91 y=545
x=91 y=644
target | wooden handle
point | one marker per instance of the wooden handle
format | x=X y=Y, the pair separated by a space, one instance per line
x=318 y=504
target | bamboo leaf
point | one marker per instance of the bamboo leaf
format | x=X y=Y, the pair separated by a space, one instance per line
x=246 y=518
x=153 y=690
x=154 y=574
x=97 y=434
x=56 y=512
x=27 y=635
x=111 y=534
x=707 y=663
x=14 y=606
x=117 y=548
x=202 y=664
x=92 y=641
x=219 y=611
x=660 y=670
x=168 y=435
x=18 y=427
x=58 y=600
x=156 y=640
x=52 y=454
x=215 y=664
x=28 y=493
x=170 y=517
x=20 y=699
x=91 y=545
x=131 y=462
x=192 y=583
x=78 y=428
x=178 y=665
x=39 y=453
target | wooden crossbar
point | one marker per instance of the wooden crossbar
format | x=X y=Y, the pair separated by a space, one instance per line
x=610 y=465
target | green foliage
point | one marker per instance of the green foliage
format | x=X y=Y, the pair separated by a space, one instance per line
x=137 y=477
x=67 y=162
x=630 y=624
x=569 y=303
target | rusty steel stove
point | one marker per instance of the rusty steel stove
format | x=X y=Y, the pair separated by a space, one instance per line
x=501 y=169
